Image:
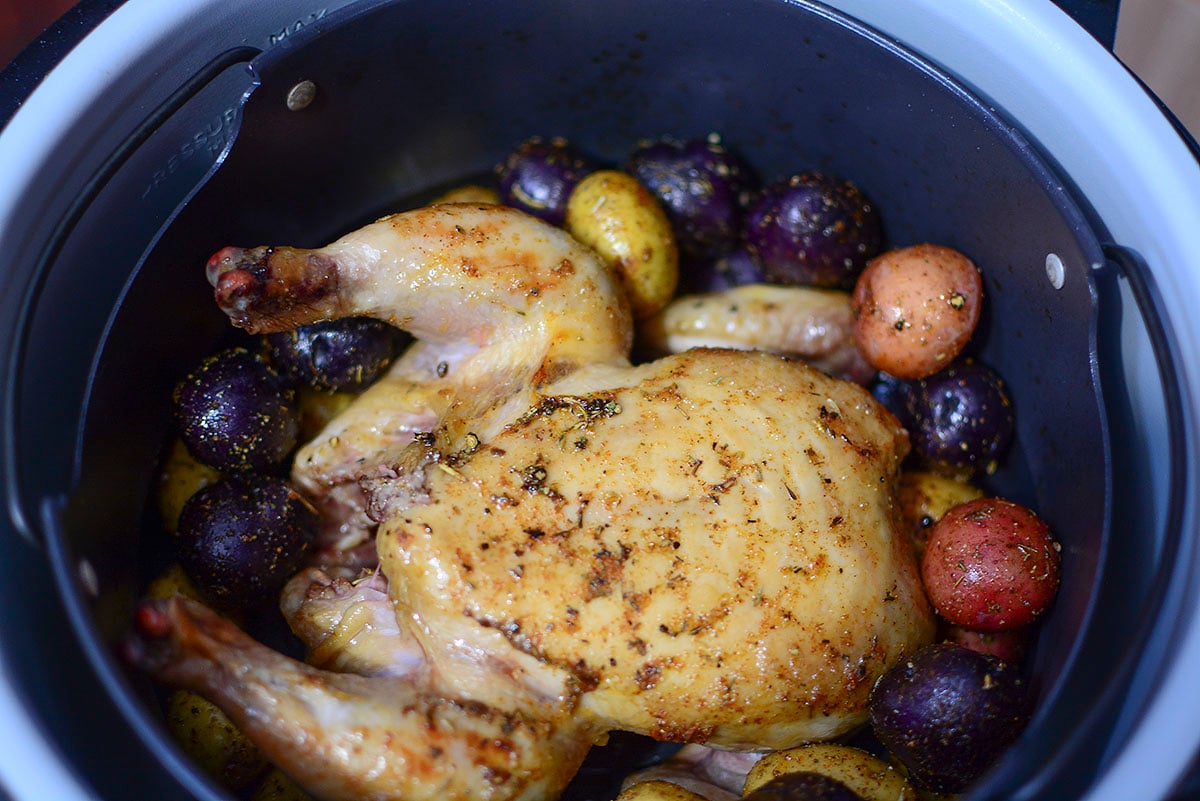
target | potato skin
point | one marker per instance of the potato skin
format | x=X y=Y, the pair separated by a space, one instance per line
x=991 y=565
x=318 y=408
x=182 y=476
x=624 y=222
x=210 y=738
x=946 y=714
x=915 y=308
x=173 y=581
x=470 y=193
x=278 y=787
x=1007 y=646
x=924 y=497
x=658 y=790
x=862 y=772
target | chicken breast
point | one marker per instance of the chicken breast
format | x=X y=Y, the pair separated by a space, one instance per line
x=703 y=549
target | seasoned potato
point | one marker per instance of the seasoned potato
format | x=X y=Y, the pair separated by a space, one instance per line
x=915 y=308
x=173 y=581
x=946 y=714
x=625 y=223
x=658 y=790
x=212 y=741
x=865 y=774
x=182 y=476
x=538 y=176
x=278 y=787
x=991 y=565
x=1007 y=646
x=471 y=193
x=318 y=408
x=925 y=497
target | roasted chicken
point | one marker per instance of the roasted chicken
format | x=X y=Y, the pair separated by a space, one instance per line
x=703 y=548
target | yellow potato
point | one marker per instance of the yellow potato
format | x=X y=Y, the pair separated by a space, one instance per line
x=925 y=497
x=278 y=787
x=174 y=581
x=182 y=476
x=625 y=223
x=318 y=408
x=468 y=194
x=865 y=774
x=212 y=741
x=171 y=582
x=915 y=308
x=658 y=790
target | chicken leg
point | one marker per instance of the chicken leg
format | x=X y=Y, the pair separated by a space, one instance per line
x=350 y=738
x=498 y=302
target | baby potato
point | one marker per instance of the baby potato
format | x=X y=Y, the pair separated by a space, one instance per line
x=915 y=308
x=212 y=741
x=471 y=193
x=317 y=408
x=925 y=497
x=171 y=582
x=278 y=787
x=991 y=565
x=182 y=476
x=658 y=790
x=946 y=714
x=1007 y=646
x=864 y=773
x=625 y=223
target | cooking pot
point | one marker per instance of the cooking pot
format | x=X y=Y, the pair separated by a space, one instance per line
x=1002 y=128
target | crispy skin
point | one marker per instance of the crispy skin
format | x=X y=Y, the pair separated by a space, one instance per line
x=703 y=548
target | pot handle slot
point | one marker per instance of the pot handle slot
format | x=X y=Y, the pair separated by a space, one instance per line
x=21 y=500
x=1097 y=17
x=1130 y=266
x=1175 y=552
x=1081 y=755
x=1170 y=599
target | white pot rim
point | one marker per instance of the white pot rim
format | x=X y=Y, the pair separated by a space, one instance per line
x=1072 y=97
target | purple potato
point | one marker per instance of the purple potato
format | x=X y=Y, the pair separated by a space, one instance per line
x=539 y=175
x=735 y=268
x=813 y=230
x=240 y=539
x=704 y=188
x=947 y=713
x=803 y=786
x=234 y=412
x=338 y=355
x=894 y=394
x=960 y=418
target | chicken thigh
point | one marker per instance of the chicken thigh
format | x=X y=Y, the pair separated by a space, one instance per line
x=703 y=548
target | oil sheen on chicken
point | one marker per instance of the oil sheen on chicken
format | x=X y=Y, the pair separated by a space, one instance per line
x=703 y=548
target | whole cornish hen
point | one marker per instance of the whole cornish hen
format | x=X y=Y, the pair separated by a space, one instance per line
x=701 y=549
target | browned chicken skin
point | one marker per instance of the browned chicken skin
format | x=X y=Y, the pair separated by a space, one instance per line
x=703 y=549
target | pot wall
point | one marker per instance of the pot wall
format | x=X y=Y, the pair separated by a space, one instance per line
x=1140 y=181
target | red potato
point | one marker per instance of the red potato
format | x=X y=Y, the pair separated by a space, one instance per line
x=924 y=497
x=1007 y=646
x=915 y=308
x=990 y=565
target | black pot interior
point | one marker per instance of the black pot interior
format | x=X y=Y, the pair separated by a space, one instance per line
x=414 y=97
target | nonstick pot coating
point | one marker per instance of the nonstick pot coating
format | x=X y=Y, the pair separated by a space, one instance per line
x=413 y=97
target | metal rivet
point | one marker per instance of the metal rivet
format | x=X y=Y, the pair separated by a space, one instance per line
x=1055 y=270
x=301 y=95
